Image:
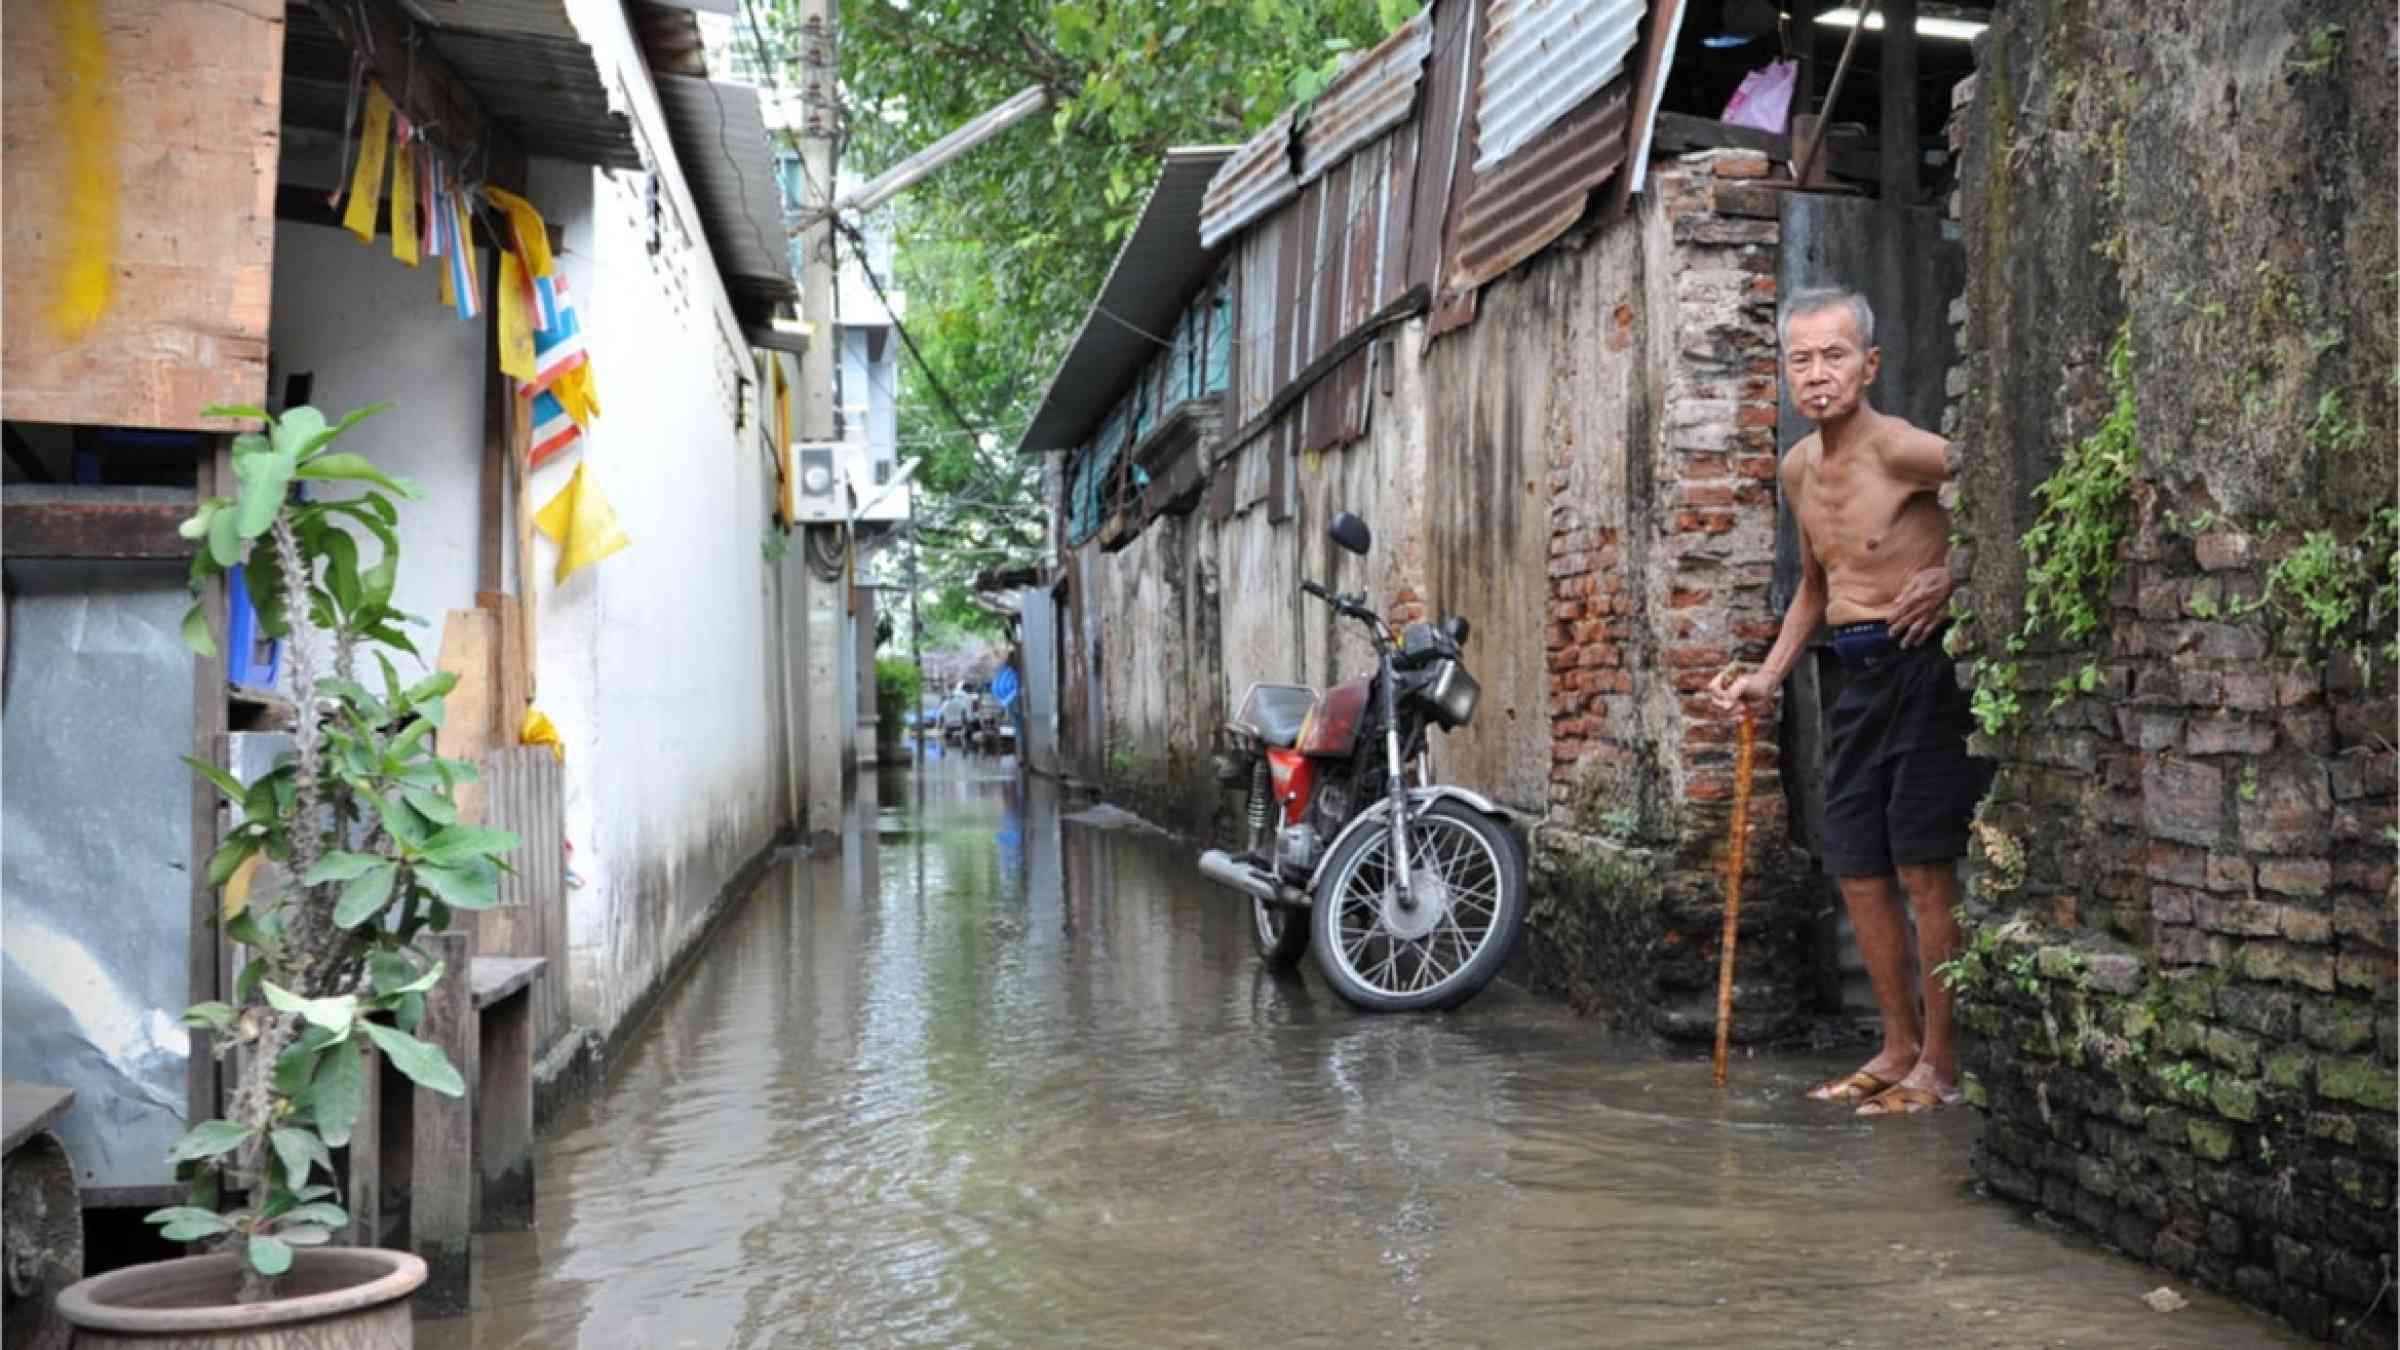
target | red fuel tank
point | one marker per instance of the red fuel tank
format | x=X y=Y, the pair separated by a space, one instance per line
x=1332 y=730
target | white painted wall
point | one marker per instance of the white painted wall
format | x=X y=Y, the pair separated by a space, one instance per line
x=370 y=330
x=663 y=664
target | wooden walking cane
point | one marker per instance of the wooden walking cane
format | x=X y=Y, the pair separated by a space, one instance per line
x=1736 y=846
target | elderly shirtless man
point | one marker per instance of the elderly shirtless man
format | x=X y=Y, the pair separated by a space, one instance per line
x=1899 y=785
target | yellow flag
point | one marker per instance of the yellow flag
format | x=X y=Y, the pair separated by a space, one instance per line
x=366 y=183
x=533 y=234
x=516 y=326
x=538 y=730
x=404 y=204
x=581 y=524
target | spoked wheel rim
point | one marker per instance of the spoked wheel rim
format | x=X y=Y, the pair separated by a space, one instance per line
x=1412 y=950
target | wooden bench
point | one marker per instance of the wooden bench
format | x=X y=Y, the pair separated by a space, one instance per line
x=467 y=1161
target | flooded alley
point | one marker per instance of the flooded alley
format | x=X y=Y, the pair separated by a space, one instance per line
x=994 y=1077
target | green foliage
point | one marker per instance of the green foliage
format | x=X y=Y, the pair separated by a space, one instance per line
x=2185 y=1077
x=1001 y=252
x=2071 y=550
x=358 y=823
x=2343 y=594
x=2323 y=49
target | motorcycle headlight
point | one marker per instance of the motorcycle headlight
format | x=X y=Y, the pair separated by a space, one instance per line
x=1452 y=694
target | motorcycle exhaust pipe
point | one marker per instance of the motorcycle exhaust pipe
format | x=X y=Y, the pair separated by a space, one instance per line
x=1222 y=868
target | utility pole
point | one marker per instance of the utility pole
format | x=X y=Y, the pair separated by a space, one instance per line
x=825 y=602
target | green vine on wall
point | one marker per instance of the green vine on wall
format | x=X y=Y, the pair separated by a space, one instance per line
x=2344 y=595
x=2071 y=551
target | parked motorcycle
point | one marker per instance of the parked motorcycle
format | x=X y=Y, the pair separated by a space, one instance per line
x=1412 y=895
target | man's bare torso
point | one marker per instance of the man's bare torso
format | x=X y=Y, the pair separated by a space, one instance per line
x=1869 y=513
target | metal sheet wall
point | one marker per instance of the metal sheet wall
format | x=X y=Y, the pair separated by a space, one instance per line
x=95 y=874
x=525 y=787
x=1542 y=60
x=1037 y=726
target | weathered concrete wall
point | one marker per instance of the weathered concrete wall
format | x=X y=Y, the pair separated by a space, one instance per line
x=2180 y=225
x=659 y=664
x=1162 y=690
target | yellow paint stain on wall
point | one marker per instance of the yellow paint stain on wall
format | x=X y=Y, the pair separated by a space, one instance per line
x=88 y=120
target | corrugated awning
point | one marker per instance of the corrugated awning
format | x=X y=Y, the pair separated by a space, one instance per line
x=1161 y=264
x=720 y=139
x=522 y=60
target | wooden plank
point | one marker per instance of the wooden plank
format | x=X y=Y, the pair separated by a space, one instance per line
x=95 y=530
x=511 y=666
x=364 y=1159
x=504 y=1104
x=206 y=954
x=1677 y=132
x=442 y=1176
x=26 y=1109
x=138 y=144
x=470 y=649
x=520 y=446
x=1900 y=154
x=494 y=978
x=409 y=66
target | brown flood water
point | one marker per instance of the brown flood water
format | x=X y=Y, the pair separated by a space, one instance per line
x=994 y=1079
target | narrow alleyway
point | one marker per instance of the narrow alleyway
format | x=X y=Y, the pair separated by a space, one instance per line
x=991 y=1078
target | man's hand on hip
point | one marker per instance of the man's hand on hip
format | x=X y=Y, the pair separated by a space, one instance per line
x=1922 y=605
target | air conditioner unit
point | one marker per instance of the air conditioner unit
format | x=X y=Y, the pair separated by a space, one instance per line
x=842 y=481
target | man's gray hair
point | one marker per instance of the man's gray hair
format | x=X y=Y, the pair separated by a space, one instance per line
x=1818 y=299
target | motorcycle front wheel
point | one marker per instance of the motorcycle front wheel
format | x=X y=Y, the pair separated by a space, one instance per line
x=1438 y=946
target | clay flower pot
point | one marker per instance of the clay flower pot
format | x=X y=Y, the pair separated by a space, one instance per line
x=334 y=1298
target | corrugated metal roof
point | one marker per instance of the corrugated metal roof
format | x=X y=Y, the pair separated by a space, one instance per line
x=1371 y=97
x=1542 y=190
x=1162 y=262
x=521 y=59
x=1255 y=180
x=720 y=139
x=1542 y=59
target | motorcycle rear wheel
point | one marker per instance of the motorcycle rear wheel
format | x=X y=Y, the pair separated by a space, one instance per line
x=1442 y=953
x=1280 y=932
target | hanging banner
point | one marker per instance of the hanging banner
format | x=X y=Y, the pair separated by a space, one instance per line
x=554 y=430
x=516 y=332
x=581 y=524
x=404 y=193
x=366 y=185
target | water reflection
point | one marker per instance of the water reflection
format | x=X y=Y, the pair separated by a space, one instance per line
x=990 y=1078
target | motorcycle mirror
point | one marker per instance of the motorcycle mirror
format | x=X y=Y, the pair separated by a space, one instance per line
x=1351 y=533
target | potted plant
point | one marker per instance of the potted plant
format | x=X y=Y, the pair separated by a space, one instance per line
x=348 y=854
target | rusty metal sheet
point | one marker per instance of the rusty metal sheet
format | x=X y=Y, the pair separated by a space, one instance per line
x=1541 y=191
x=1446 y=127
x=1543 y=60
x=1257 y=179
x=1374 y=95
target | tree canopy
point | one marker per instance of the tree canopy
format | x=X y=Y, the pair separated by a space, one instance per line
x=1000 y=253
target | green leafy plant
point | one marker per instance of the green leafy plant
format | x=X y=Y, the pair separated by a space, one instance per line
x=2071 y=550
x=2343 y=594
x=348 y=853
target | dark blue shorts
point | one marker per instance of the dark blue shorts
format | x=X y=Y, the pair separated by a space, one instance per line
x=1900 y=787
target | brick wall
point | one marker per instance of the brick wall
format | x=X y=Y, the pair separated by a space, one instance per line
x=2181 y=993
x=1659 y=574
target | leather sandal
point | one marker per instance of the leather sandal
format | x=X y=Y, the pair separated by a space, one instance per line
x=1905 y=1101
x=1850 y=1088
